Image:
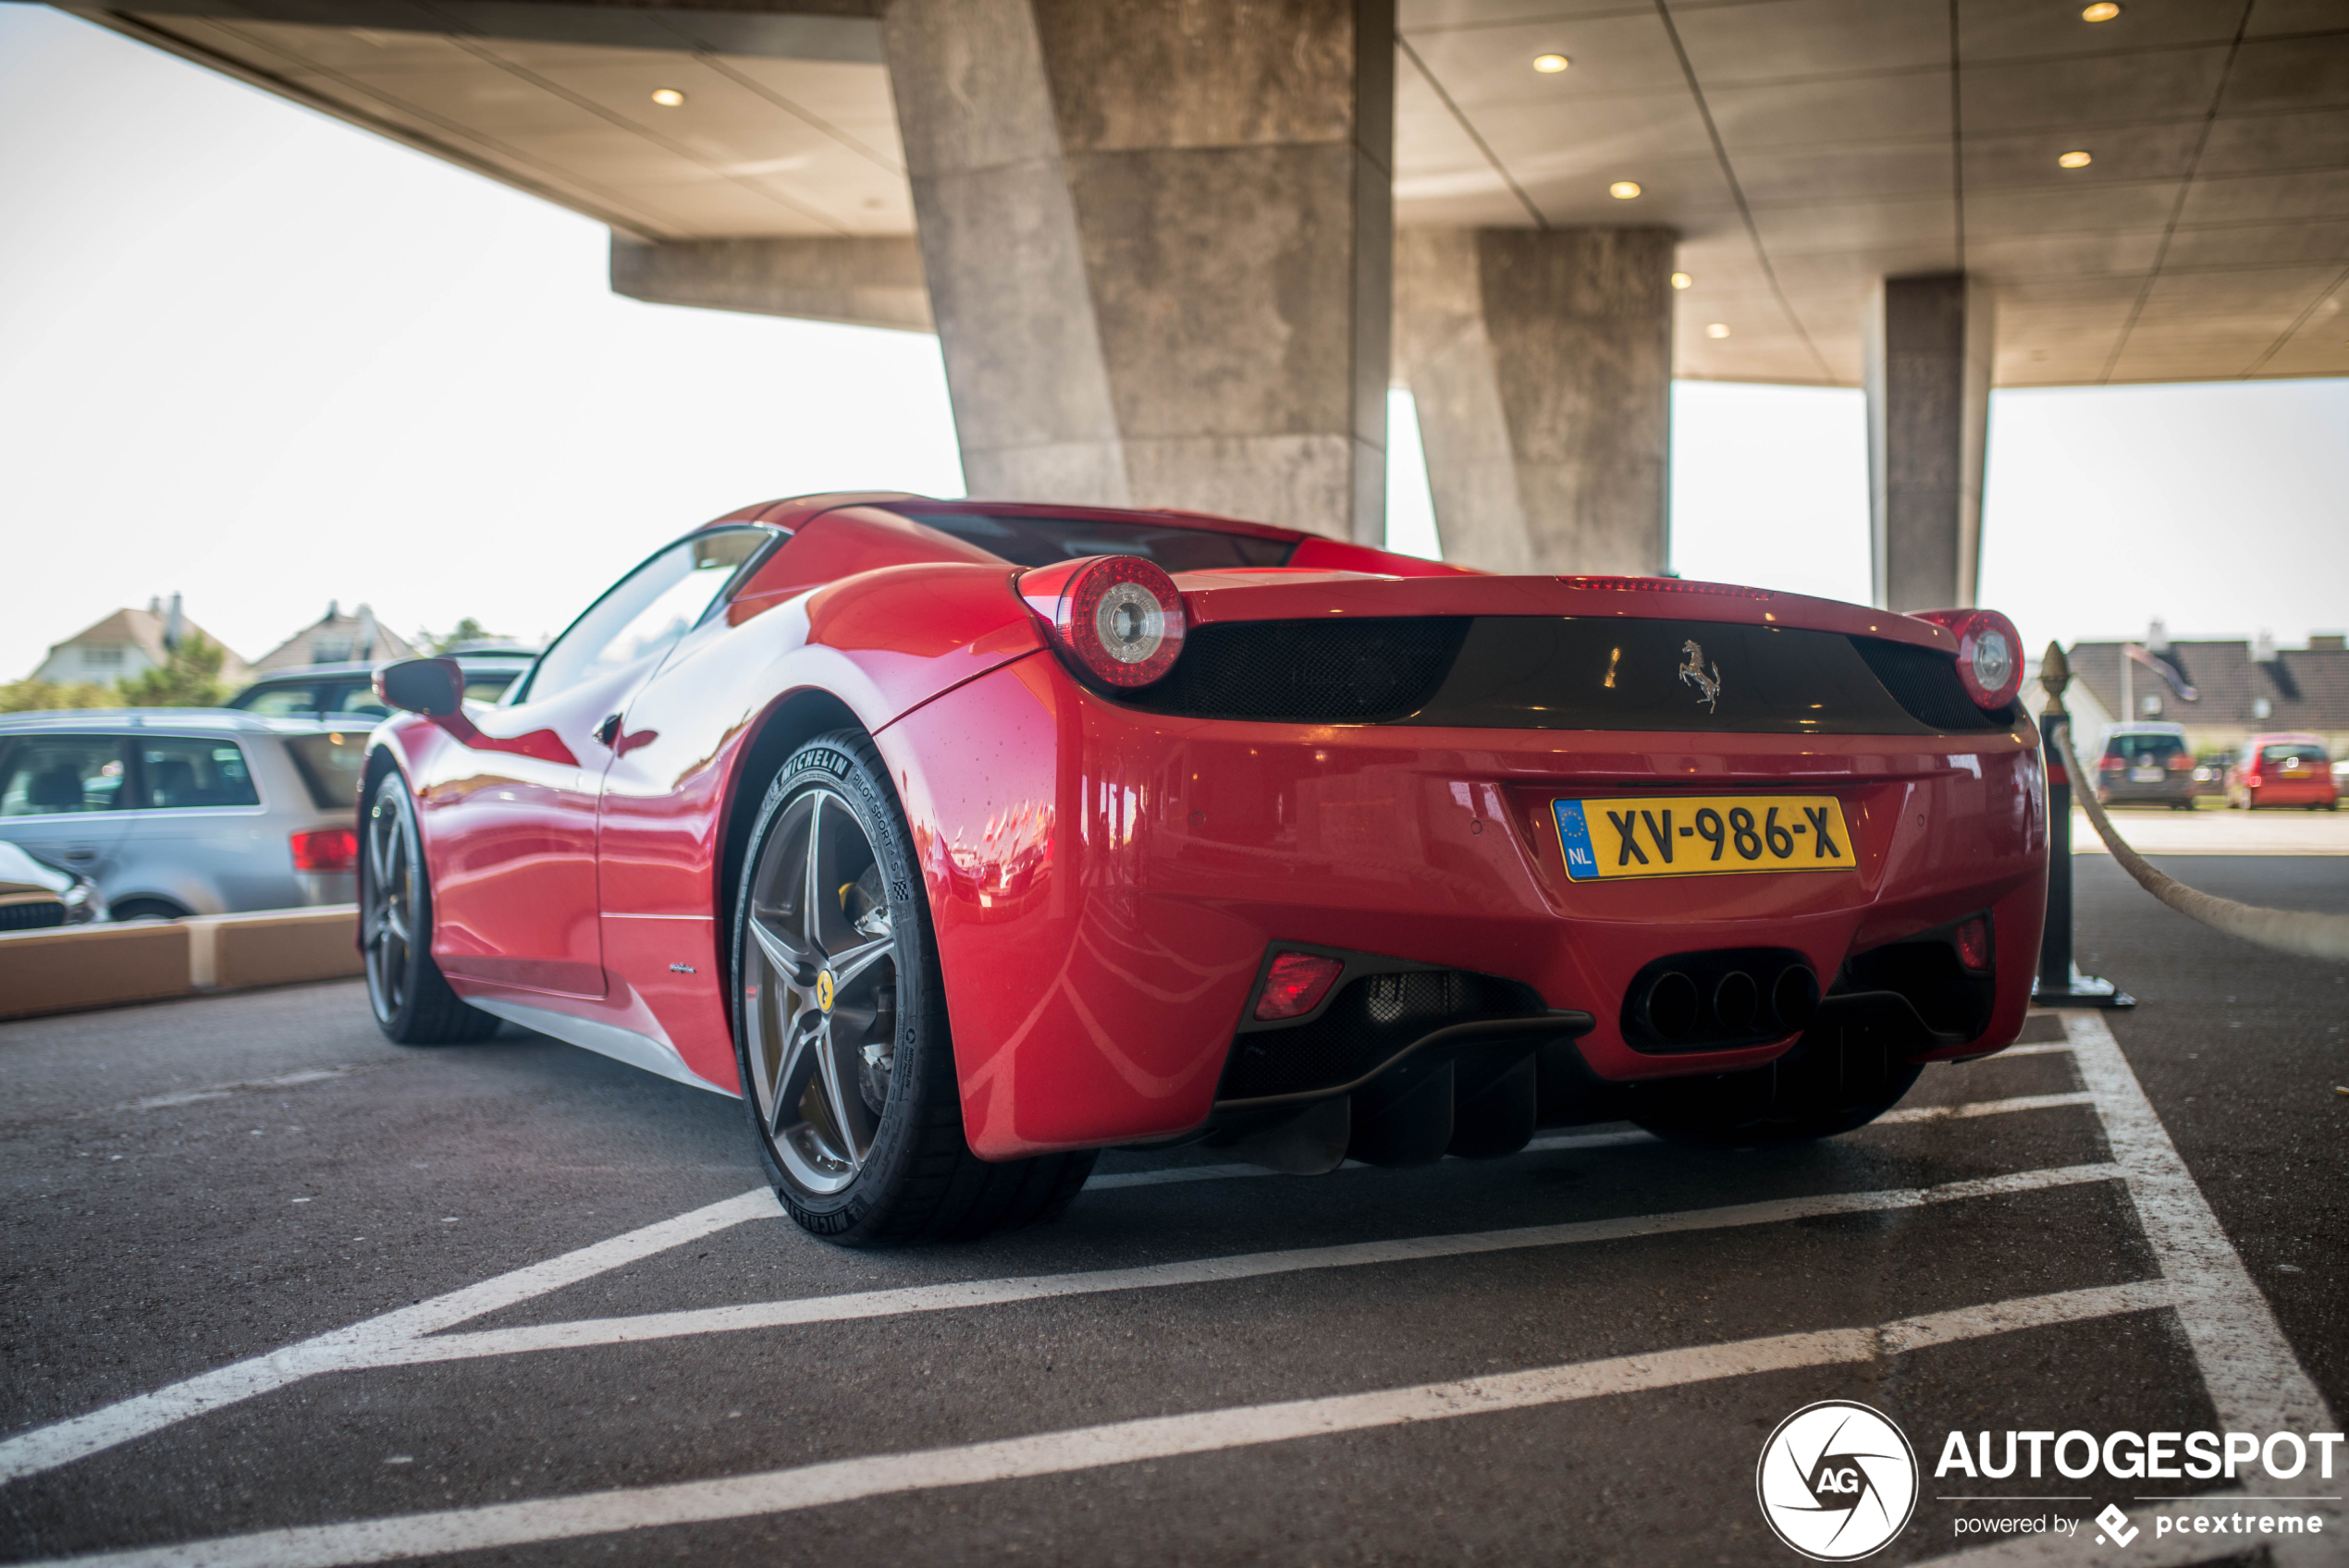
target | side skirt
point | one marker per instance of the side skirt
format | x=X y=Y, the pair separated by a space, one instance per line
x=605 y=1039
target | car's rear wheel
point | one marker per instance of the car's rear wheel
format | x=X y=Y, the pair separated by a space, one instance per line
x=841 y=1029
x=411 y=1000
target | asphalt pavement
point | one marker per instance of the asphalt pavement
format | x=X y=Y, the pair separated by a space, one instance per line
x=271 y=1282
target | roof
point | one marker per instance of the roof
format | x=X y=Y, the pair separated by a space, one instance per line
x=483 y=659
x=345 y=631
x=111 y=720
x=142 y=630
x=1800 y=151
x=2307 y=689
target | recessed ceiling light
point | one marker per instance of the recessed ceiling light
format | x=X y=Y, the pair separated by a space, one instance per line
x=1718 y=329
x=1550 y=65
x=2075 y=160
x=1681 y=280
x=667 y=97
x=2102 y=11
x=1623 y=190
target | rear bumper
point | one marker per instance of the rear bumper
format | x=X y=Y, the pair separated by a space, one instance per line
x=2294 y=794
x=1105 y=883
x=2124 y=790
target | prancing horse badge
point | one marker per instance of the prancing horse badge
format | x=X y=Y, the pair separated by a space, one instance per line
x=1693 y=672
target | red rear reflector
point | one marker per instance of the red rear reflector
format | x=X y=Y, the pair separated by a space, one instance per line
x=1295 y=984
x=327 y=848
x=1973 y=944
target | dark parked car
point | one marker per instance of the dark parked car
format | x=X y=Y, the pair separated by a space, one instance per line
x=2147 y=764
x=347 y=691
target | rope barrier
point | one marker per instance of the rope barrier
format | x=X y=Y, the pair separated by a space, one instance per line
x=2303 y=933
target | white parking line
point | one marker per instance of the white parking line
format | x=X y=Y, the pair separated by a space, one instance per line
x=2036 y=1047
x=2256 y=1382
x=586 y=1332
x=1090 y=1448
x=61 y=1442
x=398 y=1338
x=1557 y=1141
x=1909 y=1113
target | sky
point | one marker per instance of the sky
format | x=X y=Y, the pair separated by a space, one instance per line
x=265 y=360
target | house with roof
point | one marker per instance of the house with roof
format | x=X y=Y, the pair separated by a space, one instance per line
x=2223 y=692
x=336 y=638
x=129 y=643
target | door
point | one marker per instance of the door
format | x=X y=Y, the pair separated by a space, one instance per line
x=61 y=799
x=509 y=813
x=196 y=833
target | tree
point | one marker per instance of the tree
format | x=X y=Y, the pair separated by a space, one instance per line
x=27 y=696
x=466 y=631
x=190 y=678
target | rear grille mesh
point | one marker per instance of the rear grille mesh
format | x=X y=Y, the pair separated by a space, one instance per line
x=1368 y=1023
x=1926 y=683
x=1382 y=669
x=1310 y=671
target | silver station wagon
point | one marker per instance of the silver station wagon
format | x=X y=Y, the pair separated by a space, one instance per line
x=175 y=811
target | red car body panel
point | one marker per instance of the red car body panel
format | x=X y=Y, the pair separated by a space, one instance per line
x=1105 y=881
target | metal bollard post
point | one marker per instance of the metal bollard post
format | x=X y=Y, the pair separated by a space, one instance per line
x=2061 y=982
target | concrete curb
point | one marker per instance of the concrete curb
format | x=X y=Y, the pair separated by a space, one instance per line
x=75 y=968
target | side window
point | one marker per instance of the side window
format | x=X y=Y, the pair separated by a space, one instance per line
x=355 y=697
x=330 y=766
x=179 y=772
x=50 y=775
x=649 y=611
x=280 y=702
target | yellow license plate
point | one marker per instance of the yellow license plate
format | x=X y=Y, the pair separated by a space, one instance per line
x=1702 y=835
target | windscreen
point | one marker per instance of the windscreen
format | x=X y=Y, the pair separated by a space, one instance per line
x=2142 y=748
x=2292 y=756
x=1041 y=541
x=330 y=766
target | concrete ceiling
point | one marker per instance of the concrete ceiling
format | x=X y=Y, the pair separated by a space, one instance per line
x=1801 y=148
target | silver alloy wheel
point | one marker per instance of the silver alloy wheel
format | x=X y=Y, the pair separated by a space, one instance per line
x=387 y=919
x=819 y=991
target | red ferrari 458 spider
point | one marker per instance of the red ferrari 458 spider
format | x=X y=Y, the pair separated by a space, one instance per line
x=962 y=840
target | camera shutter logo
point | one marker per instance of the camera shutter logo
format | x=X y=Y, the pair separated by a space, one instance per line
x=1836 y=1481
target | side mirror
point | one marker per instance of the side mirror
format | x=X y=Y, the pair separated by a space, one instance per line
x=434 y=688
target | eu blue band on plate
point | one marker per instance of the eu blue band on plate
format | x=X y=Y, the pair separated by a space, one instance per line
x=1574 y=834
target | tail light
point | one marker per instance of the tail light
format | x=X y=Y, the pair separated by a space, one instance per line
x=1972 y=940
x=1295 y=984
x=1119 y=618
x=326 y=849
x=2179 y=762
x=1990 y=655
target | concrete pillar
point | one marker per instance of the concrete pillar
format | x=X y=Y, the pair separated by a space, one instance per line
x=1158 y=242
x=1929 y=345
x=1541 y=365
x=862 y=282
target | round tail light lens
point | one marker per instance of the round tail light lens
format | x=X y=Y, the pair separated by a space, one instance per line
x=1121 y=617
x=1990 y=655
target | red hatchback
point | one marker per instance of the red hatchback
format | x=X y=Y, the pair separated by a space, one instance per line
x=962 y=840
x=2282 y=770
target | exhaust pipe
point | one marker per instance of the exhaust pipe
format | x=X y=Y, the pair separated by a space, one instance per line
x=1672 y=1004
x=1737 y=1001
x=1794 y=997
